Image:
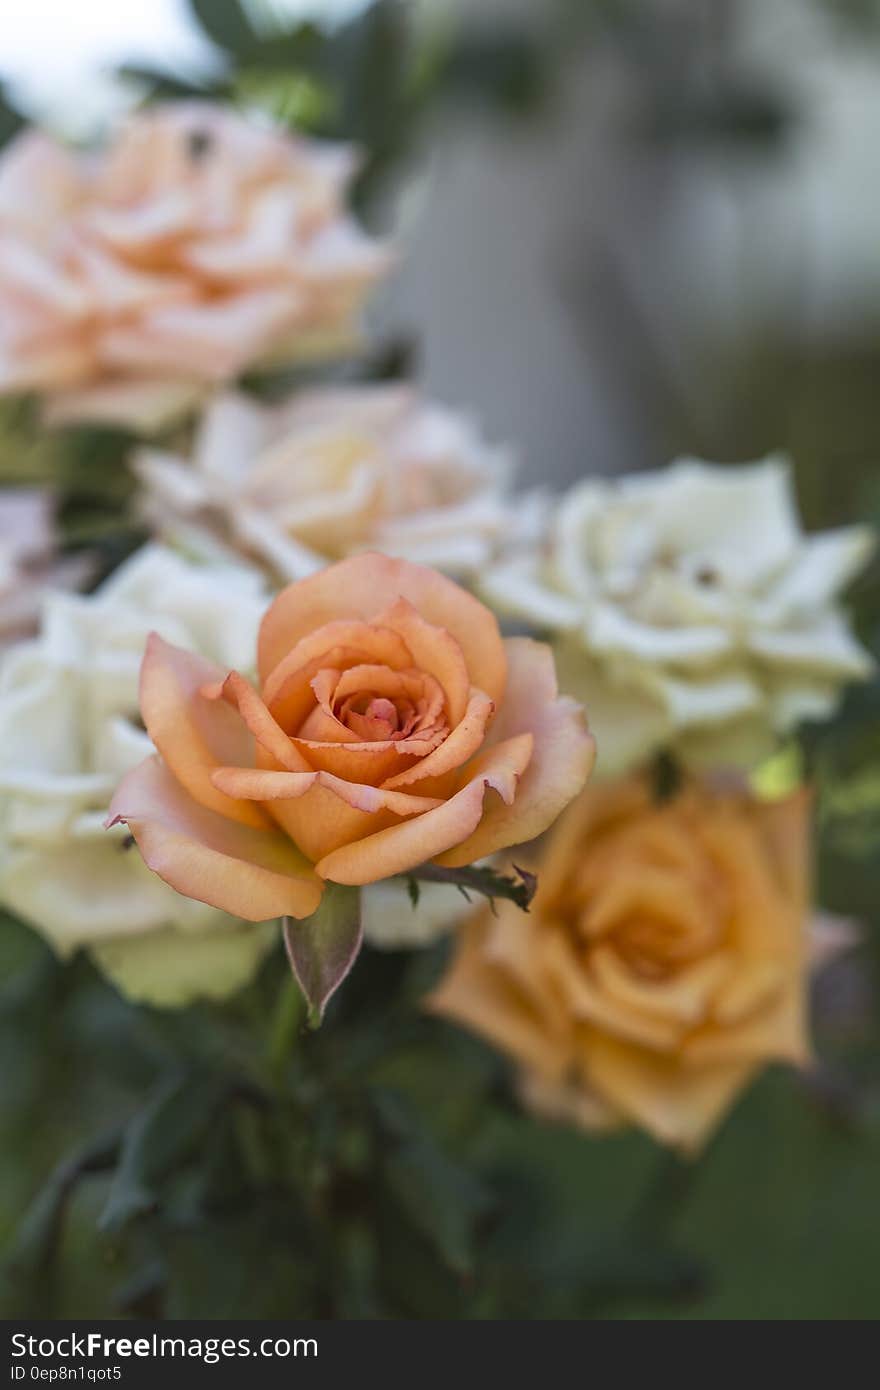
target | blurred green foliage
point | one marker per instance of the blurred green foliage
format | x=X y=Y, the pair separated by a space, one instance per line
x=200 y=1164
x=373 y=79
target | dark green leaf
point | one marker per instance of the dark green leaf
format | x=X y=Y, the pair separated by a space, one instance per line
x=11 y=121
x=39 y=1231
x=167 y=86
x=226 y=23
x=441 y=1198
x=24 y=961
x=159 y=1138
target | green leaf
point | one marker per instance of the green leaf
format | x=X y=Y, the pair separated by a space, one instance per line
x=442 y=1200
x=226 y=24
x=323 y=948
x=254 y=1262
x=37 y=1236
x=11 y=122
x=25 y=960
x=169 y=86
x=159 y=1139
x=294 y=98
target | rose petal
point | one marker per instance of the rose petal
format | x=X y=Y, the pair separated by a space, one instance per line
x=401 y=847
x=480 y=996
x=588 y=1000
x=677 y=1105
x=374 y=762
x=194 y=735
x=258 y=785
x=363 y=586
x=560 y=765
x=267 y=732
x=434 y=651
x=223 y=335
x=462 y=743
x=685 y=997
x=261 y=249
x=416 y=686
x=773 y=1033
x=320 y=821
x=254 y=874
x=339 y=644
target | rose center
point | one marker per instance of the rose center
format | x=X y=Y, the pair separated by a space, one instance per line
x=372 y=716
x=381 y=708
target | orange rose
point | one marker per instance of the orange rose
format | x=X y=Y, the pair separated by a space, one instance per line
x=391 y=726
x=663 y=963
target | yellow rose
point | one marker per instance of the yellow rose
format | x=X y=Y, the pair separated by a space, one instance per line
x=663 y=963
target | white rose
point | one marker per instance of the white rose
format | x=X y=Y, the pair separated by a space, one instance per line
x=69 y=730
x=333 y=471
x=691 y=609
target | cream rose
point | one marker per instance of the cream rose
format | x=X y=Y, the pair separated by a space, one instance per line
x=692 y=610
x=334 y=471
x=194 y=244
x=69 y=729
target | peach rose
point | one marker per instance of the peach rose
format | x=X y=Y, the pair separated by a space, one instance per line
x=392 y=725
x=663 y=963
x=335 y=470
x=196 y=243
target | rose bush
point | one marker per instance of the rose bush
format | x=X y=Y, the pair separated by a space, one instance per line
x=391 y=726
x=194 y=244
x=662 y=965
x=333 y=471
x=691 y=610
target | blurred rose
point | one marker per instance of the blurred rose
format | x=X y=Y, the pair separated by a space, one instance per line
x=27 y=560
x=195 y=244
x=691 y=609
x=69 y=729
x=335 y=471
x=662 y=965
x=392 y=726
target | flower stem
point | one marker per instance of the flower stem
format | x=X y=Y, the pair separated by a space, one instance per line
x=478 y=879
x=287 y=1019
